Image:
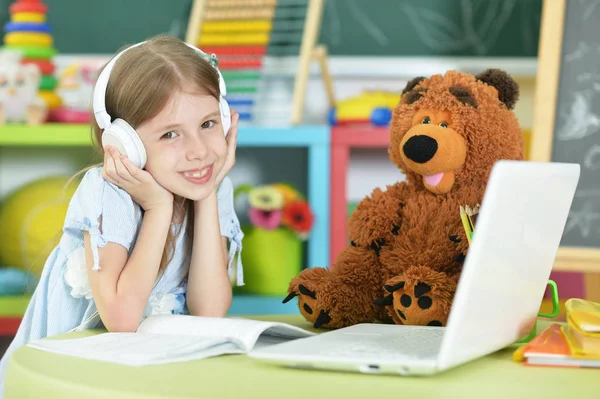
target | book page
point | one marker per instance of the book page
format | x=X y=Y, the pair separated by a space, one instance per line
x=245 y=330
x=136 y=349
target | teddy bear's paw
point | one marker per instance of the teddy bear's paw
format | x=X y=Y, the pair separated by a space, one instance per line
x=309 y=305
x=315 y=291
x=316 y=306
x=412 y=305
x=418 y=301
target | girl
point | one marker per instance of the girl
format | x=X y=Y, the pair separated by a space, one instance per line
x=143 y=241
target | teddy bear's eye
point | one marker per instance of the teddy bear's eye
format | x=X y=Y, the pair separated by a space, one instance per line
x=426 y=120
x=444 y=125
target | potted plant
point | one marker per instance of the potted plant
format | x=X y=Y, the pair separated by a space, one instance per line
x=280 y=220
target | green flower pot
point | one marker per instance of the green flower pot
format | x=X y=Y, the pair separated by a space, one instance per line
x=271 y=258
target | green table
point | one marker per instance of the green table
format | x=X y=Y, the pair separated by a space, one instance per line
x=36 y=374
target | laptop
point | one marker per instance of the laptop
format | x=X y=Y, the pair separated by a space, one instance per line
x=519 y=229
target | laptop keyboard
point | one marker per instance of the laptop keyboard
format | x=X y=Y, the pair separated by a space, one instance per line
x=412 y=344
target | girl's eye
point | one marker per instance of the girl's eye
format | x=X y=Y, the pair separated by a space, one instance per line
x=208 y=124
x=426 y=120
x=444 y=125
x=169 y=135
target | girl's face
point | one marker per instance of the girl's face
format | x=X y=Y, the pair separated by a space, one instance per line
x=185 y=145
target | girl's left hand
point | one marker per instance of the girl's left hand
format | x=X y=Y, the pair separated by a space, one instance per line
x=231 y=147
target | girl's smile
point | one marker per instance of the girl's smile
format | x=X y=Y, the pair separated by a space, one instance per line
x=198 y=176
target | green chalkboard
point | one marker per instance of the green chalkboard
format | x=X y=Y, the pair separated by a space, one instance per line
x=101 y=27
x=499 y=28
x=493 y=28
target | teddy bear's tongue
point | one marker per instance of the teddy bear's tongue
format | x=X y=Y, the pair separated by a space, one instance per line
x=433 y=180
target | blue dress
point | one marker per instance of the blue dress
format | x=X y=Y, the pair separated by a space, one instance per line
x=63 y=301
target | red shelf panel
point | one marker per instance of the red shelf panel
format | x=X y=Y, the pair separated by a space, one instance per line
x=360 y=136
x=9 y=325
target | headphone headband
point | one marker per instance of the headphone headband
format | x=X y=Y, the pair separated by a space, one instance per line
x=99 y=96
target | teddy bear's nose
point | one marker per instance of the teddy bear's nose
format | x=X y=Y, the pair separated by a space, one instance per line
x=420 y=149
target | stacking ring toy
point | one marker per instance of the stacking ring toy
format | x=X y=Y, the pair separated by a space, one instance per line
x=36 y=7
x=42 y=53
x=51 y=99
x=46 y=67
x=47 y=82
x=28 y=39
x=28 y=17
x=27 y=27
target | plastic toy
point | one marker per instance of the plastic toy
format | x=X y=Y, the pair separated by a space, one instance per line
x=373 y=107
x=280 y=220
x=29 y=33
x=19 y=84
x=75 y=87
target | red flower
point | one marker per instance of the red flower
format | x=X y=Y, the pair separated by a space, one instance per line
x=298 y=216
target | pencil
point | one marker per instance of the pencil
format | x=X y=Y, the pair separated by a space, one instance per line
x=469 y=213
x=465 y=222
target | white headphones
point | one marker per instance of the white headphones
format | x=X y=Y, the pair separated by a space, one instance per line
x=122 y=135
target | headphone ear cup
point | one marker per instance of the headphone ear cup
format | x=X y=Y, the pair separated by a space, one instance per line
x=122 y=136
x=225 y=115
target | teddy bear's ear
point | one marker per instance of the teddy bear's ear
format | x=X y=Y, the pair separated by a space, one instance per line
x=412 y=83
x=508 y=89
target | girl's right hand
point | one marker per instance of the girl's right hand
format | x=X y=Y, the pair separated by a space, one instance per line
x=138 y=183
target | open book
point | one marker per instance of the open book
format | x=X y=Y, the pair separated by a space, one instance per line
x=175 y=338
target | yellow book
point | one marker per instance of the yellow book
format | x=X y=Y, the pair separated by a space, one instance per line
x=584 y=314
x=581 y=344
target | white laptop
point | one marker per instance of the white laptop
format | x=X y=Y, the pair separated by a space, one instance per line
x=519 y=229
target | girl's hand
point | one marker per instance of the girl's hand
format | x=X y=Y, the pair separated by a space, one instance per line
x=138 y=183
x=231 y=147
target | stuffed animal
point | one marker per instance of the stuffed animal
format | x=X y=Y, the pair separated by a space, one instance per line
x=19 y=84
x=407 y=243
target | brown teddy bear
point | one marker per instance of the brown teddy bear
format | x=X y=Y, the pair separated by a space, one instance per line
x=408 y=244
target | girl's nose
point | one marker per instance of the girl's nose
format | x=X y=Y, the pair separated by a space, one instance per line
x=196 y=149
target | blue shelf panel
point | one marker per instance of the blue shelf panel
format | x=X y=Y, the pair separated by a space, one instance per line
x=292 y=136
x=318 y=197
x=261 y=305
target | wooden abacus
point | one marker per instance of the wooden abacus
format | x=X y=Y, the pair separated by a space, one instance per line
x=242 y=32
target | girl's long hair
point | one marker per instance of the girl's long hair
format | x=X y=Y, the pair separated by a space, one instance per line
x=140 y=85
